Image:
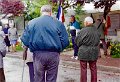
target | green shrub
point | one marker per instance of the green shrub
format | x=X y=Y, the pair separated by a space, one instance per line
x=70 y=45
x=19 y=47
x=115 y=49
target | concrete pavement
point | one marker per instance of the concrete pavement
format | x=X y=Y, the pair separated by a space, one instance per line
x=103 y=64
x=69 y=70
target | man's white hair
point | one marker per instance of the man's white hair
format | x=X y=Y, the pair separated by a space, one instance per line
x=88 y=19
x=46 y=9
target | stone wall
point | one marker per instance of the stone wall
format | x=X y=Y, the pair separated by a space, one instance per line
x=118 y=35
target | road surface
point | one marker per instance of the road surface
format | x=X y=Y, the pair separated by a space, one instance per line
x=67 y=73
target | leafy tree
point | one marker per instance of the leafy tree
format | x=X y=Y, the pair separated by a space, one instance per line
x=33 y=8
x=15 y=7
x=79 y=12
x=106 y=4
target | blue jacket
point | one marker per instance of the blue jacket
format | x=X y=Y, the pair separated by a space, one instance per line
x=76 y=25
x=45 y=34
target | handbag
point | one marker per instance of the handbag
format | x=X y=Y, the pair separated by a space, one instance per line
x=3 y=53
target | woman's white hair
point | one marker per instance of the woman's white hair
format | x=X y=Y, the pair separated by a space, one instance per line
x=88 y=19
x=46 y=9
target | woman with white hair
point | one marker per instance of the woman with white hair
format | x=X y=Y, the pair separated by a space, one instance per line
x=2 y=54
x=88 y=40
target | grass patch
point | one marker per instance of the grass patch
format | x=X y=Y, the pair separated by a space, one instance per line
x=116 y=56
x=19 y=47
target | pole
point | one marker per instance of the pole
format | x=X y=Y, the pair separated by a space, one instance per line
x=23 y=71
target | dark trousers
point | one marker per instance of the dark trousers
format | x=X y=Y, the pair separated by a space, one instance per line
x=46 y=66
x=75 y=47
x=93 y=69
x=31 y=71
x=104 y=45
x=2 y=75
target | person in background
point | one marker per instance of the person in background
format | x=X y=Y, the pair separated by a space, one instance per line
x=13 y=36
x=101 y=28
x=88 y=42
x=46 y=37
x=107 y=25
x=2 y=54
x=28 y=56
x=74 y=29
x=5 y=29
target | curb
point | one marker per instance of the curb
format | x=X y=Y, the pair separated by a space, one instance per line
x=109 y=68
x=76 y=65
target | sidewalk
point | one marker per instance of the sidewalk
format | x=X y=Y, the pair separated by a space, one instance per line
x=69 y=70
x=103 y=64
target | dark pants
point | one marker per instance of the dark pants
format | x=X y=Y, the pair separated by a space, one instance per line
x=31 y=71
x=2 y=75
x=104 y=46
x=45 y=66
x=93 y=69
x=7 y=41
x=75 y=47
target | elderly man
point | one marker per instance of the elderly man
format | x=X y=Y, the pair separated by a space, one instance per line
x=88 y=40
x=46 y=37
